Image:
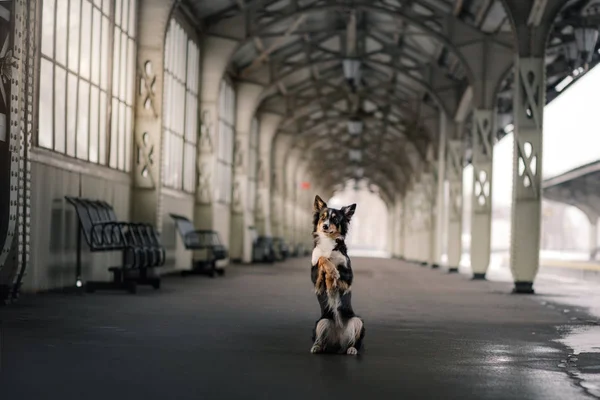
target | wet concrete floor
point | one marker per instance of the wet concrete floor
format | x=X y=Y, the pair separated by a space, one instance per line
x=429 y=335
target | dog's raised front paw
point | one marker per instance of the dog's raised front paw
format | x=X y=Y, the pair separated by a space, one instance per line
x=352 y=351
x=316 y=349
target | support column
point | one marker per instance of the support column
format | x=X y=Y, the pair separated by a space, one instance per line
x=593 y=238
x=529 y=99
x=208 y=213
x=291 y=166
x=429 y=211
x=153 y=20
x=242 y=217
x=481 y=220
x=409 y=226
x=281 y=144
x=268 y=124
x=528 y=106
x=441 y=174
x=455 y=207
x=401 y=237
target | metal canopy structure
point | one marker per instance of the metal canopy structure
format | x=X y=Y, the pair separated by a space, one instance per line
x=390 y=64
x=246 y=108
x=579 y=187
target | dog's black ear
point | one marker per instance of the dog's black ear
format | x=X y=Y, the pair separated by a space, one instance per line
x=319 y=204
x=349 y=211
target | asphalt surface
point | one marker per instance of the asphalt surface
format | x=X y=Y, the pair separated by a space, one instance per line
x=429 y=335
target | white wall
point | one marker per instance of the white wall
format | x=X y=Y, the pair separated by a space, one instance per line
x=54 y=223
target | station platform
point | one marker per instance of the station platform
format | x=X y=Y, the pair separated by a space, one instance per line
x=429 y=335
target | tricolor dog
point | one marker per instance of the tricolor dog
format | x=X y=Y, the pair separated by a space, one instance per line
x=338 y=330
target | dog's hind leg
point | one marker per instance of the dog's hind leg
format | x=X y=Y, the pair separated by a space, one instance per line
x=353 y=335
x=323 y=330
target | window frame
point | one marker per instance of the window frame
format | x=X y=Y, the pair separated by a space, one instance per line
x=102 y=87
x=167 y=132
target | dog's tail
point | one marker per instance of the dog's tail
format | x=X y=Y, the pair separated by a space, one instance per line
x=334 y=302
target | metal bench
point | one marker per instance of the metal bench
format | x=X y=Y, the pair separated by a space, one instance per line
x=201 y=240
x=139 y=243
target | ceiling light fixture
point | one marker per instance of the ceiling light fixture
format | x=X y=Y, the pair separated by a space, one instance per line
x=355 y=126
x=352 y=72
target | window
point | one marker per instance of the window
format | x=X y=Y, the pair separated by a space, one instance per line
x=253 y=166
x=225 y=145
x=75 y=72
x=180 y=109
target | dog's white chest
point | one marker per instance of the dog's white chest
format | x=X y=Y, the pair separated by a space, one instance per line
x=323 y=249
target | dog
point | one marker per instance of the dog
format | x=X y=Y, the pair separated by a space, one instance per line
x=338 y=330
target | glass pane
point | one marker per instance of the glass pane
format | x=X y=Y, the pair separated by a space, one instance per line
x=86 y=31
x=60 y=83
x=118 y=8
x=102 y=129
x=61 y=31
x=123 y=69
x=48 y=28
x=74 y=19
x=46 y=92
x=191 y=106
x=132 y=17
x=104 y=55
x=179 y=157
x=167 y=158
x=130 y=72
x=94 y=125
x=83 y=120
x=128 y=138
x=116 y=53
x=113 y=133
x=122 y=134
x=71 y=114
x=189 y=168
x=167 y=101
x=125 y=15
x=96 y=61
x=106 y=6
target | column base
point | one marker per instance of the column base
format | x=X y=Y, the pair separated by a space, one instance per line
x=523 y=288
x=435 y=266
x=453 y=270
x=478 y=276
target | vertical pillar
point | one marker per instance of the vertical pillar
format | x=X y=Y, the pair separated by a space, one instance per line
x=153 y=20
x=528 y=106
x=481 y=220
x=429 y=211
x=408 y=228
x=455 y=207
x=280 y=147
x=400 y=236
x=441 y=174
x=208 y=214
x=268 y=124
x=593 y=238
x=291 y=192
x=242 y=218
